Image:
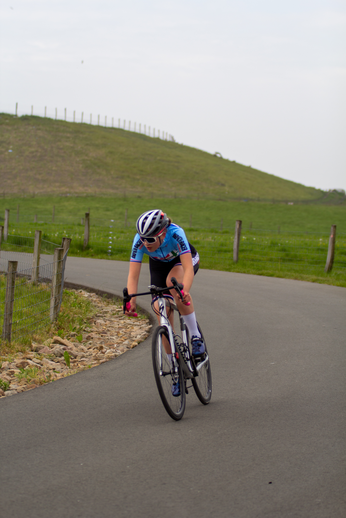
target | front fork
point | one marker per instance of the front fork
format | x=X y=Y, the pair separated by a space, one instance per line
x=178 y=348
x=164 y=322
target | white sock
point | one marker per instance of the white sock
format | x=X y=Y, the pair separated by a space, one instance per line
x=191 y=323
x=169 y=356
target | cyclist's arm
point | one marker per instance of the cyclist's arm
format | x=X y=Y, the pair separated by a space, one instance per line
x=132 y=281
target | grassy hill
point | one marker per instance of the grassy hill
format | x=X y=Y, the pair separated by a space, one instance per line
x=46 y=156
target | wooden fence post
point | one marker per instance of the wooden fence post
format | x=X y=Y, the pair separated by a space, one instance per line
x=65 y=245
x=56 y=283
x=9 y=301
x=16 y=109
x=86 y=230
x=236 y=240
x=1 y=234
x=6 y=223
x=36 y=258
x=331 y=249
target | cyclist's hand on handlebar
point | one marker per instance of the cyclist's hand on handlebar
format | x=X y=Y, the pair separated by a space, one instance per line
x=131 y=309
x=186 y=298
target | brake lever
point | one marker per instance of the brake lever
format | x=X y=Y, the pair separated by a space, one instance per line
x=179 y=288
x=126 y=299
x=127 y=305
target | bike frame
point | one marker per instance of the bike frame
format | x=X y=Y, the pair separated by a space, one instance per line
x=188 y=365
x=180 y=348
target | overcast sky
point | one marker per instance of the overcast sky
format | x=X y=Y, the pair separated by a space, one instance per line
x=262 y=82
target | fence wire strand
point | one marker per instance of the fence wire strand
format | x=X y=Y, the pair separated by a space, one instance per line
x=32 y=301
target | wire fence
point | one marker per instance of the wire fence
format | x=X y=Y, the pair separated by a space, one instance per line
x=30 y=297
x=258 y=248
x=95 y=120
x=33 y=299
x=23 y=247
x=266 y=250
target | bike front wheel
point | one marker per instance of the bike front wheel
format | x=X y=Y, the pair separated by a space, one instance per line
x=165 y=376
x=202 y=383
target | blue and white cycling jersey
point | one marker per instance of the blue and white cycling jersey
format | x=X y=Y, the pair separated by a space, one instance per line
x=174 y=244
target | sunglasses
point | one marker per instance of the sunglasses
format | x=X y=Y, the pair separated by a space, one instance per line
x=150 y=240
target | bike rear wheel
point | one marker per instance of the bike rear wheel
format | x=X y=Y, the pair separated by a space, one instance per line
x=165 y=377
x=202 y=383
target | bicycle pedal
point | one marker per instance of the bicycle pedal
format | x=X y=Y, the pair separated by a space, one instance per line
x=199 y=359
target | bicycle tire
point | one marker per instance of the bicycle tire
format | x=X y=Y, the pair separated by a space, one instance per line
x=175 y=406
x=202 y=383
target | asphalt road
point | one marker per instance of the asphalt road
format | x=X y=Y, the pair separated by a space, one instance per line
x=270 y=444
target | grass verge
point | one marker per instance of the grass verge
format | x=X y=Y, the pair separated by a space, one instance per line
x=74 y=317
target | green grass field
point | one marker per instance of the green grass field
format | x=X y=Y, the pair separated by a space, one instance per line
x=277 y=239
x=207 y=214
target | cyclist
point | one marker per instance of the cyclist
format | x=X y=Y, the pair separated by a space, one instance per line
x=170 y=255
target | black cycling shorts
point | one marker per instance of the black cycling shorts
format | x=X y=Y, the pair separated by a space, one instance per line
x=159 y=270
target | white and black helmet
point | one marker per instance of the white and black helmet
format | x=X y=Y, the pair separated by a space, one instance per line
x=151 y=223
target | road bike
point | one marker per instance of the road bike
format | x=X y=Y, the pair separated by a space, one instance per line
x=171 y=354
